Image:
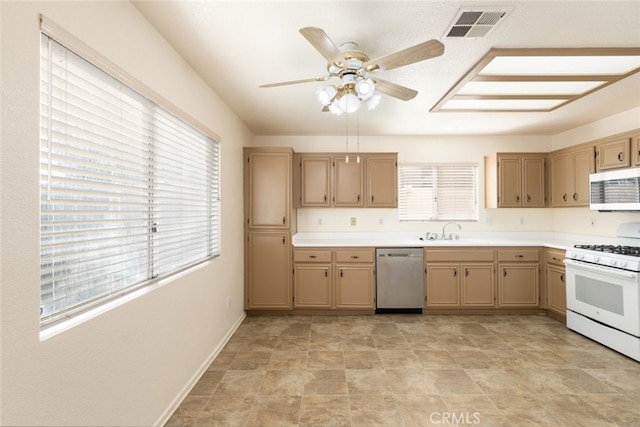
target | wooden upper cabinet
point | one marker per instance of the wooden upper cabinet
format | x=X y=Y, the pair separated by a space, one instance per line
x=268 y=185
x=509 y=182
x=613 y=153
x=382 y=181
x=635 y=150
x=347 y=182
x=515 y=180
x=569 y=174
x=315 y=181
x=534 y=182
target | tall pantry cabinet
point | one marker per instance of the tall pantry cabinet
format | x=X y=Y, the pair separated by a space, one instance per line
x=269 y=224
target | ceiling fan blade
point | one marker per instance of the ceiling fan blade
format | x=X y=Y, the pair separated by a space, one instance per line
x=395 y=90
x=411 y=55
x=323 y=44
x=295 y=82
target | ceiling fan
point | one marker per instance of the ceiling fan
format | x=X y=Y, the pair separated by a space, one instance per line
x=355 y=71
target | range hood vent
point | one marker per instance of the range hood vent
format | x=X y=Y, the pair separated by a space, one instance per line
x=475 y=23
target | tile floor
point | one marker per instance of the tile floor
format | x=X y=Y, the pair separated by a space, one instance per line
x=413 y=370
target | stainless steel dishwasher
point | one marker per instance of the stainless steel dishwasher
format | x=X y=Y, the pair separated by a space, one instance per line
x=399 y=280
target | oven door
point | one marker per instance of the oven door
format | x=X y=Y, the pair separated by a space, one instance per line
x=604 y=294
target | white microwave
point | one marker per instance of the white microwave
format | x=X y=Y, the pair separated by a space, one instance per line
x=616 y=190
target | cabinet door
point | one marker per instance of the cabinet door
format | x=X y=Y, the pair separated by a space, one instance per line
x=559 y=175
x=316 y=172
x=614 y=154
x=533 y=175
x=582 y=164
x=354 y=286
x=477 y=285
x=443 y=285
x=348 y=182
x=556 y=290
x=518 y=285
x=312 y=286
x=635 y=150
x=269 y=270
x=269 y=189
x=382 y=181
x=509 y=182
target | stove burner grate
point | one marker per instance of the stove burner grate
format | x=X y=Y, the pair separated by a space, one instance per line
x=613 y=249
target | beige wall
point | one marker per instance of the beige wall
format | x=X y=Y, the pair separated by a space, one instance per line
x=132 y=364
x=462 y=149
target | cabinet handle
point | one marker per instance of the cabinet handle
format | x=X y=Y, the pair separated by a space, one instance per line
x=562 y=278
x=455 y=272
x=575 y=196
x=325 y=198
x=504 y=272
x=621 y=156
x=326 y=272
x=355 y=256
x=466 y=272
x=528 y=198
x=284 y=219
x=358 y=198
x=519 y=256
x=517 y=198
x=283 y=240
x=372 y=198
x=313 y=256
x=340 y=272
x=564 y=197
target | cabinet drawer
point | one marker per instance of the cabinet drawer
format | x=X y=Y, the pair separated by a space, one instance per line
x=432 y=255
x=518 y=255
x=311 y=255
x=555 y=256
x=355 y=255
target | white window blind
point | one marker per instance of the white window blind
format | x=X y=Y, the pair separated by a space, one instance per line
x=129 y=192
x=437 y=192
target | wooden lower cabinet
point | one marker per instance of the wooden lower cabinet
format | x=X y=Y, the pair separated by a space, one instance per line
x=459 y=278
x=518 y=285
x=335 y=279
x=312 y=286
x=269 y=270
x=556 y=286
x=354 y=286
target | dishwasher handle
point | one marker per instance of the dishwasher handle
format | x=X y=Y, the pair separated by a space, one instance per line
x=401 y=255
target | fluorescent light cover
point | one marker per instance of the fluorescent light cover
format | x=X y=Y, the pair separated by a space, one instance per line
x=560 y=65
x=501 y=104
x=527 y=88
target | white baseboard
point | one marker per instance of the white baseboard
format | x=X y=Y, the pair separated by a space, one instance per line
x=196 y=376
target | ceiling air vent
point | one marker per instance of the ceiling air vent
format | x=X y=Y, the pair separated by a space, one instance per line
x=473 y=23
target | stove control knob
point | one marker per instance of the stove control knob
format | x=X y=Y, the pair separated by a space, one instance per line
x=613 y=262
x=580 y=256
x=623 y=264
x=596 y=258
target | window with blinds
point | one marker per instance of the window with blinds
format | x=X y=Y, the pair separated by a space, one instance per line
x=129 y=192
x=437 y=192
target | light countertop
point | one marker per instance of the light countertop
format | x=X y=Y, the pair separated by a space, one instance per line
x=412 y=239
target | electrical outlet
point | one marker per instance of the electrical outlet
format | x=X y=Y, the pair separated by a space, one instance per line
x=353 y=221
x=521 y=220
x=319 y=222
x=593 y=222
x=228 y=303
x=488 y=220
x=380 y=220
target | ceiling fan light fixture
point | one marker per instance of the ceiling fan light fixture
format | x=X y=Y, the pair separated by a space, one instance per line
x=365 y=88
x=326 y=94
x=349 y=101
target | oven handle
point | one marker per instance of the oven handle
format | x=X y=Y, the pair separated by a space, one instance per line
x=601 y=269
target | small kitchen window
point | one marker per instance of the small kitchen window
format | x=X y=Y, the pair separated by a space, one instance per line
x=433 y=192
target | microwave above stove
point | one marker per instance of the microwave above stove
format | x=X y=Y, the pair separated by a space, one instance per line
x=617 y=190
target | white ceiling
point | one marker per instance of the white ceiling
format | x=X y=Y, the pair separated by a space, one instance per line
x=235 y=46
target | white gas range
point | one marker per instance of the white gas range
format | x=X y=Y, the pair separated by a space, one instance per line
x=603 y=300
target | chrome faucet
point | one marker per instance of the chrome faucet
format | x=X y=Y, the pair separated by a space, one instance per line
x=444 y=237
